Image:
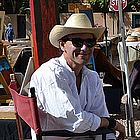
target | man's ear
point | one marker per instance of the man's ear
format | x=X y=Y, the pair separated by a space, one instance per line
x=61 y=43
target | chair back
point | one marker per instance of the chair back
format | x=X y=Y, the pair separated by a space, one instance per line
x=27 y=109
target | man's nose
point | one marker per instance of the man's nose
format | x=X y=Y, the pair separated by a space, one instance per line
x=84 y=47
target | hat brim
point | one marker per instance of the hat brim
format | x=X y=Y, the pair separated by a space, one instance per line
x=60 y=31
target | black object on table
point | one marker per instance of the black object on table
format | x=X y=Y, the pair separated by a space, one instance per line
x=8 y=130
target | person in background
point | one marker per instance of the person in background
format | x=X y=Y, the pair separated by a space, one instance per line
x=9 y=32
x=69 y=95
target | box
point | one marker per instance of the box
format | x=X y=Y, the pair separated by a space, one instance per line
x=113 y=99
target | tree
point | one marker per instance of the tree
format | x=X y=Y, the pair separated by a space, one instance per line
x=13 y=2
x=132 y=5
x=20 y=6
x=98 y=5
x=135 y=4
x=24 y=9
x=9 y=6
x=14 y=6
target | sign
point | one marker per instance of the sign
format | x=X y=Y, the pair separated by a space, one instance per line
x=82 y=8
x=72 y=7
x=114 y=5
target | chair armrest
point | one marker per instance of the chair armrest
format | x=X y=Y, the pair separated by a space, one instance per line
x=65 y=133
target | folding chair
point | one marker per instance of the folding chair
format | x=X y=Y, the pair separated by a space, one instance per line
x=26 y=109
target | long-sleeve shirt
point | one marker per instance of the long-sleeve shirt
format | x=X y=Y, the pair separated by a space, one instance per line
x=60 y=105
x=9 y=31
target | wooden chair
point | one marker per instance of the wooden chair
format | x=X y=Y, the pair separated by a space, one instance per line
x=26 y=109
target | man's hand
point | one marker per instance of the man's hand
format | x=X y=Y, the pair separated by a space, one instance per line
x=119 y=127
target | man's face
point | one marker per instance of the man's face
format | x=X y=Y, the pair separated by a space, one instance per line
x=75 y=54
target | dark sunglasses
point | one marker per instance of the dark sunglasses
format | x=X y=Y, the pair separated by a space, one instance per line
x=78 y=42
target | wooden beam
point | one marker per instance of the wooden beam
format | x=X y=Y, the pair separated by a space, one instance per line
x=44 y=15
x=5 y=85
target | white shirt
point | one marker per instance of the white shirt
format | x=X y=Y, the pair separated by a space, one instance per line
x=60 y=106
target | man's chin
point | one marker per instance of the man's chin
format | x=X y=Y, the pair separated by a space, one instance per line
x=83 y=62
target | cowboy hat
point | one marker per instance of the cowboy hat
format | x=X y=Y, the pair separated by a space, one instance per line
x=77 y=23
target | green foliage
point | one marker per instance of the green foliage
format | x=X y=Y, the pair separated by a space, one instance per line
x=24 y=5
x=135 y=4
x=96 y=4
x=99 y=2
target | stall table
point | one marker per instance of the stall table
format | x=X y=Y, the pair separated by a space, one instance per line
x=7 y=112
x=8 y=126
x=133 y=54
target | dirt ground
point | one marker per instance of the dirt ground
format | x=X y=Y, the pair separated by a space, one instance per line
x=121 y=117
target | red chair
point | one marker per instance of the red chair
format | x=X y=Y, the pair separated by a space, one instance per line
x=26 y=109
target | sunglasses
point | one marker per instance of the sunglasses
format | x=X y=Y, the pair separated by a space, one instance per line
x=78 y=42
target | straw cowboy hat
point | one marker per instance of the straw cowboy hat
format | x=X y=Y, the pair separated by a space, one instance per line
x=77 y=23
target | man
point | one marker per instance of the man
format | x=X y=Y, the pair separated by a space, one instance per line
x=9 y=32
x=69 y=95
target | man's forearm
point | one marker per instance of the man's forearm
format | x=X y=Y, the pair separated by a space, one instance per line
x=105 y=123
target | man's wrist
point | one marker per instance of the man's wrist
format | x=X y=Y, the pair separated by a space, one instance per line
x=112 y=122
